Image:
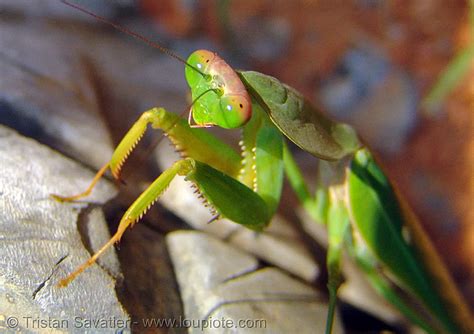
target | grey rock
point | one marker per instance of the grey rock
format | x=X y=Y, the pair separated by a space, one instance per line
x=357 y=291
x=150 y=290
x=97 y=235
x=224 y=285
x=41 y=243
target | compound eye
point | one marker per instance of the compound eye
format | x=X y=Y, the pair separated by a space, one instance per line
x=203 y=58
x=200 y=60
x=236 y=111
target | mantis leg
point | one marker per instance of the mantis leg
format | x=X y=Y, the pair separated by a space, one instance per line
x=217 y=184
x=136 y=211
x=203 y=147
x=228 y=197
x=119 y=156
x=87 y=192
x=262 y=158
x=338 y=226
x=327 y=207
x=316 y=206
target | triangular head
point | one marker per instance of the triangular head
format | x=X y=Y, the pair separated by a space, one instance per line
x=220 y=98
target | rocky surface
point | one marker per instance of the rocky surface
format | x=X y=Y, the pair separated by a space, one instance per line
x=229 y=293
x=41 y=243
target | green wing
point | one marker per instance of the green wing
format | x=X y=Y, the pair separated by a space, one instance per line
x=298 y=120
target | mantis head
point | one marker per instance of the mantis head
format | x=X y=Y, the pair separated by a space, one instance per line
x=220 y=97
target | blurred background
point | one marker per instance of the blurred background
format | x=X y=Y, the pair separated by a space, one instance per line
x=366 y=62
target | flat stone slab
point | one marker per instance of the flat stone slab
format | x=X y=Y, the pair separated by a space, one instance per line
x=224 y=291
x=40 y=244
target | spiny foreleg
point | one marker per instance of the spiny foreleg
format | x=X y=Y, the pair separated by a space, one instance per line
x=120 y=154
x=194 y=143
x=136 y=211
x=227 y=197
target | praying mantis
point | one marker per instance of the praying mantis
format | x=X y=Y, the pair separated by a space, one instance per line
x=363 y=212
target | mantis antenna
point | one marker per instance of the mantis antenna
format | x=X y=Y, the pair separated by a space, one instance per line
x=133 y=34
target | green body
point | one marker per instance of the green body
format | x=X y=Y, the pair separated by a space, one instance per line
x=356 y=200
